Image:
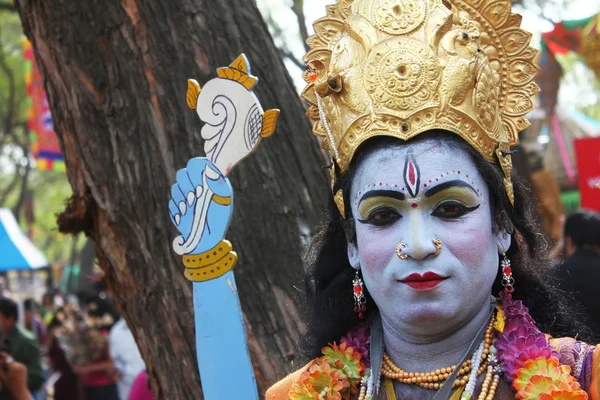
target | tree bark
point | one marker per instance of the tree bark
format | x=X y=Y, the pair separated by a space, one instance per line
x=115 y=75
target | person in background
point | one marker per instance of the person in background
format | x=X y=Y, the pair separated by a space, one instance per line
x=98 y=373
x=21 y=346
x=126 y=356
x=13 y=378
x=68 y=385
x=48 y=308
x=141 y=388
x=34 y=323
x=580 y=272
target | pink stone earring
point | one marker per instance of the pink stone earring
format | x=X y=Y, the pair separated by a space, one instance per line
x=507 y=278
x=359 y=297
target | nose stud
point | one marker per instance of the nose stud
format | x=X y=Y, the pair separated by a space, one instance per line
x=438 y=246
x=401 y=255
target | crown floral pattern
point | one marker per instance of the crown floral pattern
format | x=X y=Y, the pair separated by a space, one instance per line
x=403 y=67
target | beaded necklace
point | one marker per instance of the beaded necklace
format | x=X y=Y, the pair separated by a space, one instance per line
x=483 y=359
x=521 y=353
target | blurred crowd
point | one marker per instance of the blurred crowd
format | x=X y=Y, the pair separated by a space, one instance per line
x=578 y=254
x=69 y=348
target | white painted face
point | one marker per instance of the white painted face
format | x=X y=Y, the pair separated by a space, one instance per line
x=414 y=194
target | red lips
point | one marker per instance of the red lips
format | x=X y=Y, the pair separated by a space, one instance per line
x=424 y=282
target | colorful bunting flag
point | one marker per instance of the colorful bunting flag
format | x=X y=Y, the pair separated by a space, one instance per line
x=45 y=148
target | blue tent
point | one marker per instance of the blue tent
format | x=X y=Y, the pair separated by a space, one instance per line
x=16 y=250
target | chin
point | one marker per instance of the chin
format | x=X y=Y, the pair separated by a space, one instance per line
x=428 y=312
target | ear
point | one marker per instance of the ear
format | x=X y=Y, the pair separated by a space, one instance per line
x=503 y=241
x=353 y=255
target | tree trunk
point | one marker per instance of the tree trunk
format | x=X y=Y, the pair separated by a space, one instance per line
x=115 y=75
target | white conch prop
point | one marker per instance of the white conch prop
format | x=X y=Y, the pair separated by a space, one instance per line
x=234 y=119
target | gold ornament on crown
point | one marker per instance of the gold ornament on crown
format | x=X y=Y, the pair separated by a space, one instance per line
x=403 y=67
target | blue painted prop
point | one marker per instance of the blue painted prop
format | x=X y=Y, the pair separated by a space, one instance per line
x=200 y=208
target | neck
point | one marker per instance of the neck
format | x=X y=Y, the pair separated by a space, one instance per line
x=10 y=330
x=426 y=351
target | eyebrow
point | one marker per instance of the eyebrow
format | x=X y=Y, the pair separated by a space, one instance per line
x=383 y=193
x=449 y=184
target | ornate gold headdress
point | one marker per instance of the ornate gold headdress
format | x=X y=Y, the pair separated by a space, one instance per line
x=402 y=67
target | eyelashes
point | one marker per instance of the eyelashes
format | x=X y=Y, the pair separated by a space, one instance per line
x=381 y=217
x=448 y=210
x=453 y=210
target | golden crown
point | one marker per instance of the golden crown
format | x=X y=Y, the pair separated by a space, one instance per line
x=402 y=67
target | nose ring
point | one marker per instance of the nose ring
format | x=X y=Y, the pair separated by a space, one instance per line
x=438 y=246
x=401 y=255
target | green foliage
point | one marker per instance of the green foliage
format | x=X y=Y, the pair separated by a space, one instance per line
x=11 y=57
x=47 y=190
x=580 y=88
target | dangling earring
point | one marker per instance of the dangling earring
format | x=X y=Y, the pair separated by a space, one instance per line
x=359 y=296
x=507 y=278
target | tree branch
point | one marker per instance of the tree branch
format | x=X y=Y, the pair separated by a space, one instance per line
x=298 y=9
x=11 y=186
x=288 y=54
x=19 y=204
x=7 y=7
x=10 y=114
x=542 y=13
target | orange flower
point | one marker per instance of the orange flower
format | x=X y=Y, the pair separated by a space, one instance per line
x=346 y=360
x=319 y=382
x=546 y=377
x=564 y=395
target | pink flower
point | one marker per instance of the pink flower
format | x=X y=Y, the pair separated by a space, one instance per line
x=521 y=340
x=360 y=339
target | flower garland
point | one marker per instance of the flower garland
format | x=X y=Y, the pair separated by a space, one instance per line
x=529 y=361
x=339 y=372
x=523 y=354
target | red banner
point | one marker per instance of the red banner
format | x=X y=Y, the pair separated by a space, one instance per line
x=587 y=152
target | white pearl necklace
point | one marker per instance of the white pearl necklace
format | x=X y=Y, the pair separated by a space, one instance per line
x=475 y=363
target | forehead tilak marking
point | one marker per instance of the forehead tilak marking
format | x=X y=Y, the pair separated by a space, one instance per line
x=412 y=176
x=444 y=176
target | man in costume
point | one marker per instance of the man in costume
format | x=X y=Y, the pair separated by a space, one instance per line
x=419 y=103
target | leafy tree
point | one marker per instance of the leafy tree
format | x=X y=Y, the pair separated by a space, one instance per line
x=34 y=196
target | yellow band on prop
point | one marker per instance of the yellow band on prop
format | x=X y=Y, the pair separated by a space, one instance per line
x=212 y=271
x=224 y=201
x=209 y=257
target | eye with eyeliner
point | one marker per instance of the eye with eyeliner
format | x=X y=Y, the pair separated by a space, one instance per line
x=384 y=208
x=381 y=216
x=452 y=209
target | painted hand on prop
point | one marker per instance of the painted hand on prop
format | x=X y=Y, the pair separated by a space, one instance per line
x=202 y=199
x=201 y=206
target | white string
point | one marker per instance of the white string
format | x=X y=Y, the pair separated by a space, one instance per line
x=326 y=125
